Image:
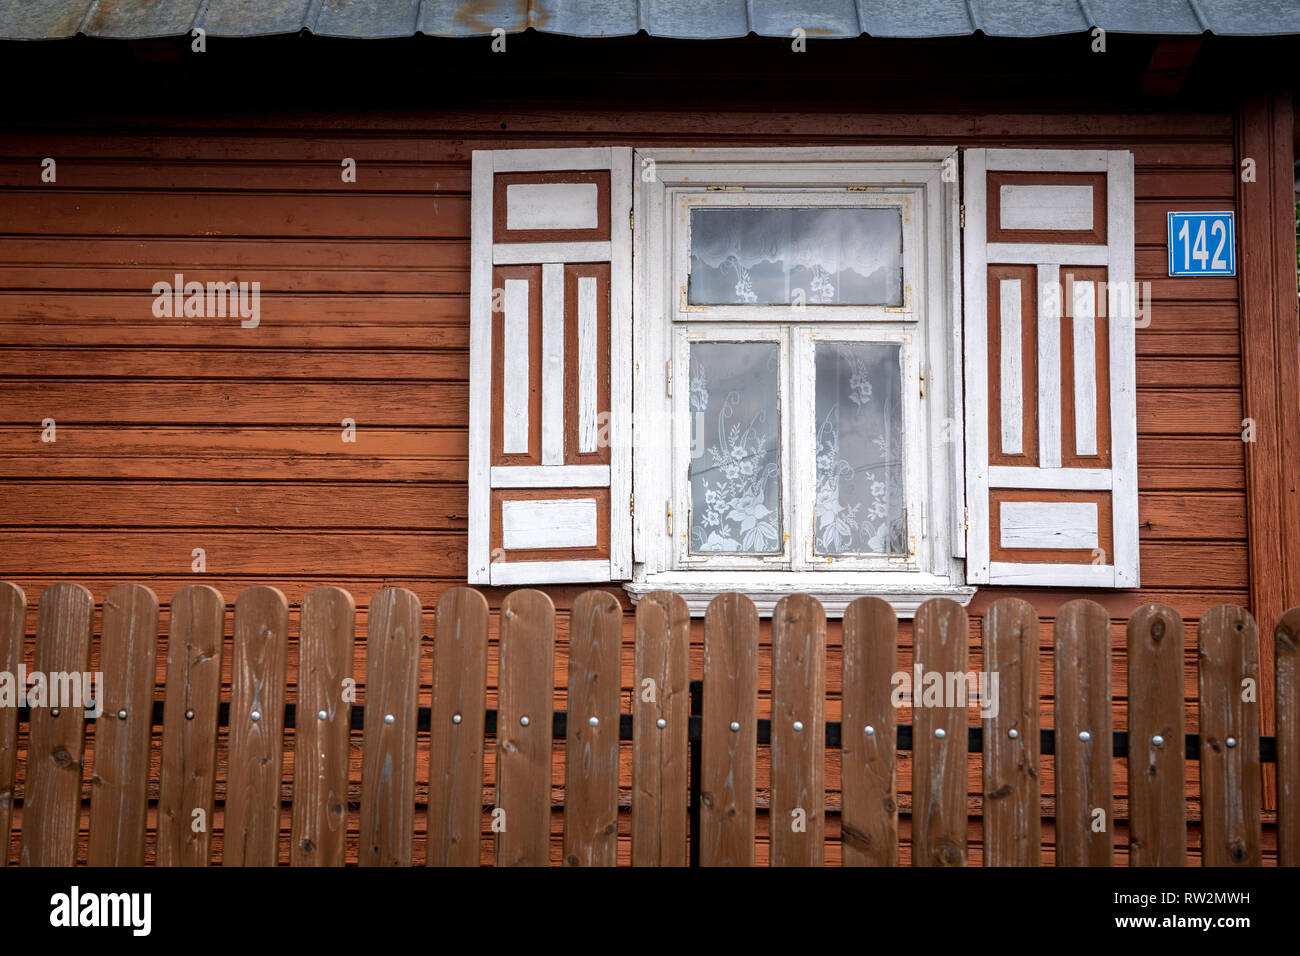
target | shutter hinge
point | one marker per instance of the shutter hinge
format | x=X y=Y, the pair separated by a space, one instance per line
x=668 y=377
x=965 y=519
x=963 y=215
x=668 y=515
x=719 y=189
x=631 y=219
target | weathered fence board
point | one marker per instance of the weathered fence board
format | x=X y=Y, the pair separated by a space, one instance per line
x=1156 y=784
x=869 y=735
x=52 y=798
x=730 y=732
x=660 y=731
x=252 y=832
x=591 y=745
x=1229 y=723
x=326 y=635
x=522 y=817
x=119 y=799
x=456 y=719
x=392 y=711
x=1084 y=822
x=939 y=719
x=1286 y=648
x=13 y=629
x=798 y=800
x=1012 y=817
x=186 y=789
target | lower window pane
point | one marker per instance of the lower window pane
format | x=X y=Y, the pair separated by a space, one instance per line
x=859 y=424
x=735 y=472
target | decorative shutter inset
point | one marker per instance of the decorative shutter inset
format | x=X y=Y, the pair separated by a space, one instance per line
x=550 y=366
x=1051 y=418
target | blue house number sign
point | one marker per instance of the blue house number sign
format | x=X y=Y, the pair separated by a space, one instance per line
x=1201 y=244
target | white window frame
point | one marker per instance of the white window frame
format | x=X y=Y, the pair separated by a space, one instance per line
x=920 y=180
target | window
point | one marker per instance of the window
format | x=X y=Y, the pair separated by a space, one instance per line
x=803 y=315
x=802 y=369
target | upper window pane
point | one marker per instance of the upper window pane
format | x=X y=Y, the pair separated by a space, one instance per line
x=735 y=456
x=749 y=255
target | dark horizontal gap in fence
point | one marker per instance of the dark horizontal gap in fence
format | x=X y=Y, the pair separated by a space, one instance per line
x=834 y=729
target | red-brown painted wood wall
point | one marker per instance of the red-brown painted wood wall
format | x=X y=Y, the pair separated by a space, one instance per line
x=176 y=434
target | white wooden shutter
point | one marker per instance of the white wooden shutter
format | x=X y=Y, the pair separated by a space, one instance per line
x=550 y=366
x=1051 y=417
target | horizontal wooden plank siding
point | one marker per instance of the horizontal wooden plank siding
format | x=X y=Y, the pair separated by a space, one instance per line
x=179 y=433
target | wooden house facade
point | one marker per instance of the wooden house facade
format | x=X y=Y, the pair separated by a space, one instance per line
x=396 y=213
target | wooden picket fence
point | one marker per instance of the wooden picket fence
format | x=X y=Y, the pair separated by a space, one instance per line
x=693 y=774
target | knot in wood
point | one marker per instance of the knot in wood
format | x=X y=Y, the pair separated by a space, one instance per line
x=948 y=855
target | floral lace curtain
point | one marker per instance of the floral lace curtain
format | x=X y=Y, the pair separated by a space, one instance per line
x=859 y=505
x=780 y=256
x=736 y=493
x=735 y=454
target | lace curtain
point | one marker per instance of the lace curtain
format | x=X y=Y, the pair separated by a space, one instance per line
x=775 y=256
x=736 y=493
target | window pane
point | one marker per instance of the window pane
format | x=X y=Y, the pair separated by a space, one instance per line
x=735 y=448
x=859 y=449
x=772 y=256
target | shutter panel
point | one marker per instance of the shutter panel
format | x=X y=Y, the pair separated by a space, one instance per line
x=550 y=366
x=1051 y=417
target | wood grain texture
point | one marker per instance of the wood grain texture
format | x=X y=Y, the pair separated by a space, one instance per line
x=798 y=796
x=941 y=638
x=591 y=749
x=56 y=733
x=252 y=822
x=1270 y=368
x=1286 y=647
x=1085 y=823
x=119 y=796
x=13 y=631
x=326 y=632
x=457 y=712
x=1156 y=781
x=1012 y=815
x=660 y=761
x=392 y=711
x=524 y=716
x=1229 y=722
x=187 y=778
x=869 y=772
x=729 y=756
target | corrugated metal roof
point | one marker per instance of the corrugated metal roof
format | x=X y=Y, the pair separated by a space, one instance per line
x=684 y=19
